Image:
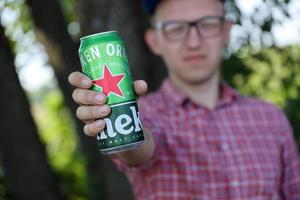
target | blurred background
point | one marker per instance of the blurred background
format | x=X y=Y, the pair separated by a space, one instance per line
x=43 y=151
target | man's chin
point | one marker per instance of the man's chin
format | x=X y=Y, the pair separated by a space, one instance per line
x=199 y=80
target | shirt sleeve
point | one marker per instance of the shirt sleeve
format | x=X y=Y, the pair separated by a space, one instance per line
x=291 y=164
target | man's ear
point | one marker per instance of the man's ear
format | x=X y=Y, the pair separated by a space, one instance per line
x=151 y=40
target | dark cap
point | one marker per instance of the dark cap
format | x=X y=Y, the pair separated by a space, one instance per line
x=150 y=5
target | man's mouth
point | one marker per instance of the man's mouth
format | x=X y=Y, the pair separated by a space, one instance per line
x=194 y=58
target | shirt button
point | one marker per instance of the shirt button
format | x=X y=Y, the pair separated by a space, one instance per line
x=234 y=183
x=225 y=147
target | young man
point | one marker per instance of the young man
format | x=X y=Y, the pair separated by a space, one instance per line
x=203 y=140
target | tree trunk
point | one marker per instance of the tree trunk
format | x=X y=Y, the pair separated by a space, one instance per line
x=27 y=171
x=126 y=17
x=64 y=59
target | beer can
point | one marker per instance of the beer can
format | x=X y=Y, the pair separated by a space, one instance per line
x=103 y=59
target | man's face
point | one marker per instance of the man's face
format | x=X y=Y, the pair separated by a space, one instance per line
x=195 y=57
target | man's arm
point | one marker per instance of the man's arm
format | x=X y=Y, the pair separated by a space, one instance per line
x=291 y=164
x=93 y=109
x=142 y=154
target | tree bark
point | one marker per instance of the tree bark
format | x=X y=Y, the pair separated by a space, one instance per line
x=64 y=59
x=97 y=16
x=27 y=172
x=126 y=17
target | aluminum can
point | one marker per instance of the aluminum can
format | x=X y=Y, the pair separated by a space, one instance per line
x=103 y=59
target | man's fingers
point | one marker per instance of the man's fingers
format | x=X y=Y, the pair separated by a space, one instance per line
x=140 y=87
x=94 y=128
x=88 y=97
x=86 y=113
x=79 y=80
x=93 y=103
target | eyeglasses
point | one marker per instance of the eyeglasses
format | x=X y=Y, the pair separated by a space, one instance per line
x=206 y=27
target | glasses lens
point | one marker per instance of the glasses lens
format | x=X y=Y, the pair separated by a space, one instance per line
x=175 y=30
x=178 y=30
x=211 y=26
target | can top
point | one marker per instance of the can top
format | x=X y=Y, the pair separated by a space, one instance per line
x=110 y=35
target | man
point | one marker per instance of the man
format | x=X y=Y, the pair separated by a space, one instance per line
x=203 y=140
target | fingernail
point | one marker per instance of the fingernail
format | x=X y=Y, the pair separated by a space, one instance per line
x=99 y=124
x=103 y=110
x=106 y=109
x=85 y=82
x=99 y=98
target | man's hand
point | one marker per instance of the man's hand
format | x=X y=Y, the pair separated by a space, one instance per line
x=93 y=109
x=92 y=105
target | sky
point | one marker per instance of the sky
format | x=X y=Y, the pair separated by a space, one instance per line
x=32 y=62
x=289 y=32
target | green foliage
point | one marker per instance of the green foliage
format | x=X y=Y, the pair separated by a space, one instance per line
x=271 y=74
x=256 y=25
x=23 y=19
x=57 y=131
x=68 y=8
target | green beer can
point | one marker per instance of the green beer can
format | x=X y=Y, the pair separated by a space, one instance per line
x=103 y=59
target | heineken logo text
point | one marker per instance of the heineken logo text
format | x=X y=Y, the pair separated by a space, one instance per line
x=123 y=123
x=95 y=52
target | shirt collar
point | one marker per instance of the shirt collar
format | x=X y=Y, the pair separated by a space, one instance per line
x=173 y=93
x=228 y=94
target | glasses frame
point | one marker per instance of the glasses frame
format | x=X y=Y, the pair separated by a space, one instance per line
x=195 y=23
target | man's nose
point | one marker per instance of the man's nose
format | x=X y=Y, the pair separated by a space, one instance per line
x=194 y=38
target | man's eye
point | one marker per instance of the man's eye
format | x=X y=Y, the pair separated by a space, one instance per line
x=175 y=28
x=209 y=25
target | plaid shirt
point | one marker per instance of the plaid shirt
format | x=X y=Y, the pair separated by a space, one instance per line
x=242 y=149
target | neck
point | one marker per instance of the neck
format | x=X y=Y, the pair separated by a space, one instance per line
x=205 y=93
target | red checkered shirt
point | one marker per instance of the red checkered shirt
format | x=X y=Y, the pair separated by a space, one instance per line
x=242 y=149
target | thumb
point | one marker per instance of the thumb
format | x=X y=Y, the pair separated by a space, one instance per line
x=140 y=87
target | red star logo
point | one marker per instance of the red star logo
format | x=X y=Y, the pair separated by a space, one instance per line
x=109 y=83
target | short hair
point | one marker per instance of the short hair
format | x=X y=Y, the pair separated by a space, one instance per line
x=150 y=5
